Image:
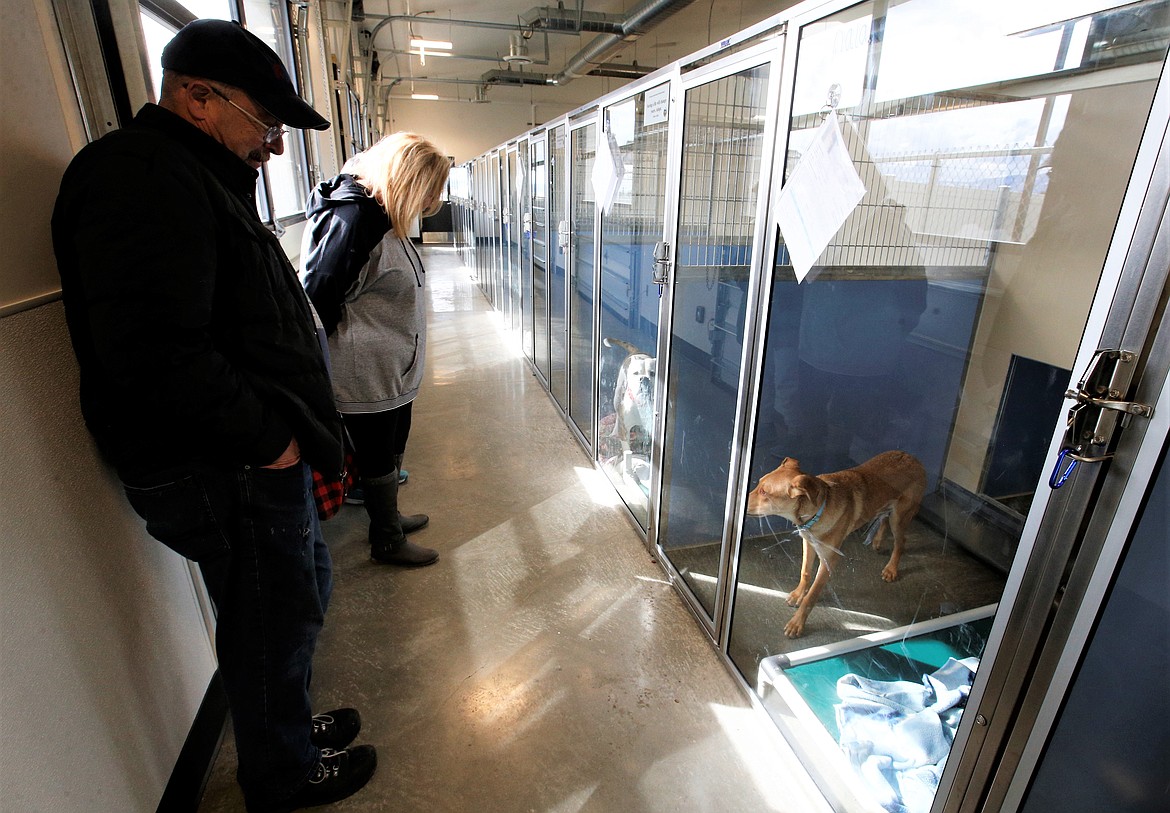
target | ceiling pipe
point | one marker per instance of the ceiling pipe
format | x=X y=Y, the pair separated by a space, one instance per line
x=454 y=55
x=563 y=21
x=590 y=60
x=593 y=55
x=432 y=20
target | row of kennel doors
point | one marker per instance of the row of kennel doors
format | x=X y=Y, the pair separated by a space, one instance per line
x=1012 y=225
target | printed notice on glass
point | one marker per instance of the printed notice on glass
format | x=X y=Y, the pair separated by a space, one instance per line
x=820 y=194
x=608 y=171
x=657 y=105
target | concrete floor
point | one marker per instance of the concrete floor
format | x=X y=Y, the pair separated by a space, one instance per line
x=544 y=664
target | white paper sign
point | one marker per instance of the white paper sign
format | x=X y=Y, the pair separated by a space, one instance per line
x=820 y=194
x=657 y=105
x=608 y=170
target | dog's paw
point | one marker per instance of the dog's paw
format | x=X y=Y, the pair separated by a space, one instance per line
x=794 y=628
x=795 y=596
x=890 y=573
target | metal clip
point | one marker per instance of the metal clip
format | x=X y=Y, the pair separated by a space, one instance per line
x=1056 y=479
x=661 y=273
x=1128 y=407
x=1092 y=418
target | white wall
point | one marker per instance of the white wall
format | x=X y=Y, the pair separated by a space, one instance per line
x=104 y=653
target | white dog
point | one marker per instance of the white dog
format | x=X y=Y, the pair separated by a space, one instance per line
x=633 y=398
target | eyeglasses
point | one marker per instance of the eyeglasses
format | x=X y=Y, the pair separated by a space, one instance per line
x=271 y=132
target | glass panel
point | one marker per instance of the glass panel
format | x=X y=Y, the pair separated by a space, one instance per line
x=482 y=229
x=498 y=198
x=558 y=325
x=929 y=347
x=537 y=345
x=581 y=243
x=511 y=241
x=525 y=252
x=520 y=210
x=723 y=141
x=630 y=299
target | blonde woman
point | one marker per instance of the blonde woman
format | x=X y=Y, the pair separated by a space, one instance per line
x=366 y=281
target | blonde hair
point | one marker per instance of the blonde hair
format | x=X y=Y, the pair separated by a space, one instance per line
x=401 y=171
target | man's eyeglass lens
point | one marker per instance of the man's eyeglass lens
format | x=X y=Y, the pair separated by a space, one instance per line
x=271 y=133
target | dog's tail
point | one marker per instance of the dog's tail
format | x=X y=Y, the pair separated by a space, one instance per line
x=629 y=348
x=876 y=525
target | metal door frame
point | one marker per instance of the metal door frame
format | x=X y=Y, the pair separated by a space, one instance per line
x=766 y=53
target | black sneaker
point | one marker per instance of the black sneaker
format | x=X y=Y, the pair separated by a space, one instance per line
x=335 y=729
x=338 y=775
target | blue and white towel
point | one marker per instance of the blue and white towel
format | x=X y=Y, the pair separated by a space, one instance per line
x=897 y=734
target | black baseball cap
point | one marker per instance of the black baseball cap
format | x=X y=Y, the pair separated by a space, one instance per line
x=227 y=52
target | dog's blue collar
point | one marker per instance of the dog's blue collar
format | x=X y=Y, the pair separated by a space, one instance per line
x=812 y=521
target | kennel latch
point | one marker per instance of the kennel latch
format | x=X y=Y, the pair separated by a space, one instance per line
x=1098 y=410
x=662 y=263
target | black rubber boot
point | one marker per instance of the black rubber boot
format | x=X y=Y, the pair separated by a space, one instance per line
x=388 y=542
x=410 y=522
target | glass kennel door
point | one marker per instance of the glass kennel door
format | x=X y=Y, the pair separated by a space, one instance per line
x=522 y=258
x=636 y=130
x=536 y=317
x=582 y=211
x=931 y=343
x=723 y=145
x=558 y=259
x=498 y=213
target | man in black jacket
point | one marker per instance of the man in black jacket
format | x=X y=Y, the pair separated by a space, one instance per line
x=204 y=385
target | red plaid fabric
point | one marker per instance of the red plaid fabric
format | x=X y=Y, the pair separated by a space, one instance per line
x=329 y=492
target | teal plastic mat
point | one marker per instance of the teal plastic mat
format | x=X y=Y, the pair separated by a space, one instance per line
x=907 y=659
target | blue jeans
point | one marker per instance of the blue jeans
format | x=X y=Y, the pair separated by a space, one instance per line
x=257 y=539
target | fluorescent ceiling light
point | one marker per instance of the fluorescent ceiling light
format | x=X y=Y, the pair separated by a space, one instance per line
x=428 y=97
x=424 y=53
x=431 y=45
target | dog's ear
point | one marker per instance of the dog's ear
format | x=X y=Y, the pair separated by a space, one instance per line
x=807 y=486
x=790 y=463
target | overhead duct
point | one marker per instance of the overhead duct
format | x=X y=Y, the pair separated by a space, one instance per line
x=499 y=77
x=590 y=60
x=615 y=33
x=518 y=50
x=615 y=71
x=566 y=21
x=639 y=20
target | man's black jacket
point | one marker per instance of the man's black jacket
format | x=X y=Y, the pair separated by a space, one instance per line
x=194 y=337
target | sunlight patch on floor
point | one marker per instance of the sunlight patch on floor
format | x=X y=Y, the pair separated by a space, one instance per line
x=781 y=780
x=598 y=486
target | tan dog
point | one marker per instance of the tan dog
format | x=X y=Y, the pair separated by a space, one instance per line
x=826 y=509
